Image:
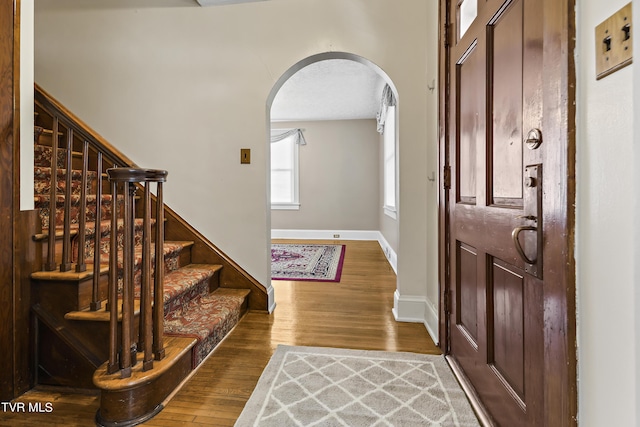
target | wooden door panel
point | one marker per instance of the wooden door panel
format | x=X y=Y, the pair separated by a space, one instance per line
x=506 y=347
x=467 y=292
x=471 y=125
x=504 y=41
x=477 y=226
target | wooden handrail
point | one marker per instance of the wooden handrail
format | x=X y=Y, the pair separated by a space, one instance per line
x=83 y=131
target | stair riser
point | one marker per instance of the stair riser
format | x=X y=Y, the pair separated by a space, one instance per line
x=43 y=151
x=72 y=295
x=202 y=349
x=105 y=242
x=171 y=263
x=177 y=305
x=89 y=245
x=42 y=203
x=62 y=296
x=42 y=181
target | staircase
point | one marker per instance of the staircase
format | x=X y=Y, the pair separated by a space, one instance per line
x=104 y=236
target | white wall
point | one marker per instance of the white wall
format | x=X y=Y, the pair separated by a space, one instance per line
x=412 y=303
x=184 y=88
x=339 y=172
x=26 y=105
x=606 y=224
x=636 y=211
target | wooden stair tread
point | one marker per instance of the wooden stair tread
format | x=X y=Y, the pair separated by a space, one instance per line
x=231 y=292
x=176 y=282
x=185 y=243
x=105 y=226
x=47 y=133
x=59 y=234
x=101 y=315
x=212 y=267
x=70 y=275
x=174 y=347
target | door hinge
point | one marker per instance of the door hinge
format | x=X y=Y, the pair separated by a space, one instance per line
x=447 y=302
x=446 y=178
x=445 y=35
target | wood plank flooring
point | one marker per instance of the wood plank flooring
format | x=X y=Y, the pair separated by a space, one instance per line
x=354 y=313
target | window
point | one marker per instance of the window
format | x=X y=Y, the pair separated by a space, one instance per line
x=389 y=167
x=467 y=13
x=284 y=172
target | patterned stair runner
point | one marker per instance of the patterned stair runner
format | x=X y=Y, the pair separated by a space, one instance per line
x=190 y=308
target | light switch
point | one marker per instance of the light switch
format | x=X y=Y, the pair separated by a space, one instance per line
x=614 y=40
x=245 y=156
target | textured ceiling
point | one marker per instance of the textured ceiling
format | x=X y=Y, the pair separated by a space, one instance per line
x=333 y=89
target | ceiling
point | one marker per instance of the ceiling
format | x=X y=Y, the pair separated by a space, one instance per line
x=332 y=89
x=223 y=2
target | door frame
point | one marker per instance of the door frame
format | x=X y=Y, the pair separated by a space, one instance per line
x=9 y=61
x=559 y=111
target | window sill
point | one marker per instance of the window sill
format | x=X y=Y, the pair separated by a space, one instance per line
x=390 y=212
x=285 y=206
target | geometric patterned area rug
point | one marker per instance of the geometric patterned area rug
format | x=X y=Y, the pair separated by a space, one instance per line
x=312 y=386
x=317 y=263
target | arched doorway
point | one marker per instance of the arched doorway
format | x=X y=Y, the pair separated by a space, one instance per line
x=357 y=71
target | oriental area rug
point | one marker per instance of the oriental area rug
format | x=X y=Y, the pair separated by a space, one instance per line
x=313 y=386
x=318 y=263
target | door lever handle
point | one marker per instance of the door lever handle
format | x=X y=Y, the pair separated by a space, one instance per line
x=529 y=217
x=515 y=234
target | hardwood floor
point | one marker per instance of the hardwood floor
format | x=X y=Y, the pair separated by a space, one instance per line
x=355 y=313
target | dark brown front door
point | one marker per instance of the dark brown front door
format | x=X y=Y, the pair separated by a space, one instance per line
x=507 y=229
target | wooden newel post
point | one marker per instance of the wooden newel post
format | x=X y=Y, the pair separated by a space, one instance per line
x=149 y=337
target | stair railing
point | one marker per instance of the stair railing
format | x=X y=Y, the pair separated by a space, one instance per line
x=123 y=354
x=93 y=149
x=73 y=137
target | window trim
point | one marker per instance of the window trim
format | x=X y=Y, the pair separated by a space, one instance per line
x=390 y=210
x=295 y=203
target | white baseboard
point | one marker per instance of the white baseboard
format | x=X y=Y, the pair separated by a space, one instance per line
x=416 y=309
x=271 y=299
x=325 y=234
x=431 y=322
x=341 y=235
x=388 y=252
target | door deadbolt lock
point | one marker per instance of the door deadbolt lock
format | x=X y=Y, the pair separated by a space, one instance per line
x=534 y=139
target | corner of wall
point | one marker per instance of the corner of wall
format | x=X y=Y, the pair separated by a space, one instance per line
x=416 y=309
